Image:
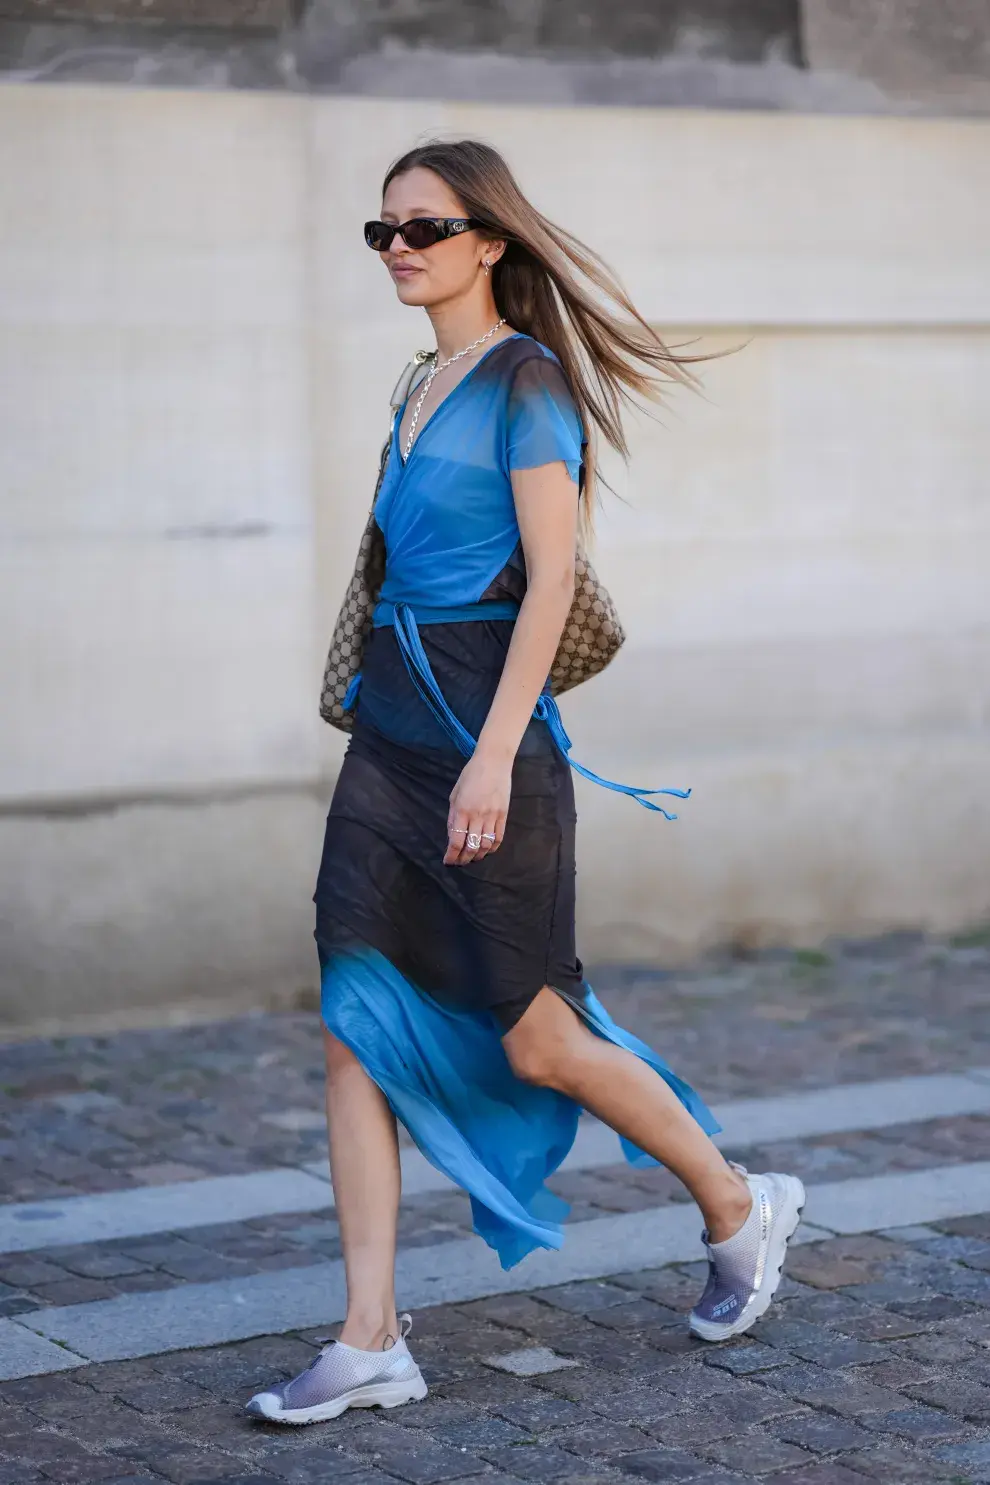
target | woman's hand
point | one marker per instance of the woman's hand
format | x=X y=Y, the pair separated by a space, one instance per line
x=478 y=807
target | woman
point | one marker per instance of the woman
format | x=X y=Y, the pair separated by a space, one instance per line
x=452 y=994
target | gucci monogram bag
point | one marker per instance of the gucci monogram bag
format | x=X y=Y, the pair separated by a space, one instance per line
x=592 y=635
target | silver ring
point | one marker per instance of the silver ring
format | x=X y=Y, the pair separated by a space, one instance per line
x=457 y=832
x=473 y=842
x=489 y=837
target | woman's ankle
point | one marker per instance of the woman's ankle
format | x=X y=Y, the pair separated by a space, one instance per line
x=726 y=1212
x=370 y=1330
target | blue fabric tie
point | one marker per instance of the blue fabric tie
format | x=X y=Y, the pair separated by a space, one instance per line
x=401 y=617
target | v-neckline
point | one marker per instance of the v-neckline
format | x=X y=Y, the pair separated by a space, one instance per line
x=404 y=460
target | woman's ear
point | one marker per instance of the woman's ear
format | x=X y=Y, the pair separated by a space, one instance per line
x=493 y=251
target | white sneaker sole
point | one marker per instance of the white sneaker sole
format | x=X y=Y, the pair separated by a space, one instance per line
x=375 y=1395
x=792 y=1205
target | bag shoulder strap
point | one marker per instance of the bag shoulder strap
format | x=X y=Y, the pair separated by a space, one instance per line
x=410 y=379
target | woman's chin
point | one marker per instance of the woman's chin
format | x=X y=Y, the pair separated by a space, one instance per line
x=412 y=291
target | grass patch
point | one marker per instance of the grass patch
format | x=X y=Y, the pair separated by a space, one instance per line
x=811 y=959
x=973 y=938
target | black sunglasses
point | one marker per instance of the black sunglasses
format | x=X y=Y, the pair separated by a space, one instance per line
x=417 y=233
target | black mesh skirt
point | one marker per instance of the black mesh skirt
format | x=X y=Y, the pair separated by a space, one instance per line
x=482 y=937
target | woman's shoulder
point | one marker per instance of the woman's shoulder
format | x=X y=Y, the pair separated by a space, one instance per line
x=525 y=363
x=519 y=348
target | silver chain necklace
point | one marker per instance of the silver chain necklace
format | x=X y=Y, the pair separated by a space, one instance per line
x=436 y=368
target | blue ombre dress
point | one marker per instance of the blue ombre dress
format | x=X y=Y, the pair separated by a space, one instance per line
x=425 y=966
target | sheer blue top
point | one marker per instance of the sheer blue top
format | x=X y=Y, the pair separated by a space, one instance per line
x=447 y=513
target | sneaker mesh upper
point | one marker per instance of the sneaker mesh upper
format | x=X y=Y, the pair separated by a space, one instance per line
x=338 y=1369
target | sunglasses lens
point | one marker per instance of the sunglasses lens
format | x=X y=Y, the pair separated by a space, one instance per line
x=378 y=236
x=420 y=233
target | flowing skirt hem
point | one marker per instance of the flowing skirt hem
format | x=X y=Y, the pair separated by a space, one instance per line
x=448 y=1080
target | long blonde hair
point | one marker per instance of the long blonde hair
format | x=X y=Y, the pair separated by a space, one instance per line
x=550 y=286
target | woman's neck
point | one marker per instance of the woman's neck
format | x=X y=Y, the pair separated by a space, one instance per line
x=460 y=322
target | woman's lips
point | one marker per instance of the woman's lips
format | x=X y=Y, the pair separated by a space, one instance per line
x=404 y=270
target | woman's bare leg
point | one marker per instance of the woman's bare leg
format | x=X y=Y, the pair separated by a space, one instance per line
x=552 y=1046
x=364 y=1163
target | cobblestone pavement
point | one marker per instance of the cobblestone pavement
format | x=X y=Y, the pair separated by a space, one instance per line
x=874 y=1363
x=103 y=1113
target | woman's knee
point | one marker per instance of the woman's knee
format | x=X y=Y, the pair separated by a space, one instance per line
x=532 y=1062
x=545 y=1045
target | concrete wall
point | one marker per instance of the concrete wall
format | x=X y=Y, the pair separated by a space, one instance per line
x=832 y=56
x=195 y=355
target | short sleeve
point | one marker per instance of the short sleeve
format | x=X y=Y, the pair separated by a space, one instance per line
x=542 y=423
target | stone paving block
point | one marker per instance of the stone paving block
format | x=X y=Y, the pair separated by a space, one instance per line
x=889 y=1463
x=606 y=1350
x=74 y=1291
x=973 y=1458
x=165 y=1395
x=477 y=1433
x=112 y=1425
x=819 y=1474
x=15 y=1473
x=757 y=1452
x=584 y=1296
x=977 y=1226
x=17 y=1306
x=917 y=1423
x=25 y=1271
x=938 y=1307
x=586 y=1385
x=820 y=1433
x=829 y=1307
x=129 y=1479
x=835 y=1350
x=668 y=1286
x=312 y=1465
x=741 y=1360
x=849 y=1397
x=604 y=1440
x=409 y=1454
x=538 y=1412
x=817 y=1268
x=203 y=1469
x=880 y=1325
x=532 y=1361
x=718 y=1419
x=897 y=1372
x=517 y=1311
x=977 y=1369
x=915 y=1234
x=662 y=1465
x=693 y=1381
x=968 y=1399
x=97 y=1262
x=85 y=1471
x=936 y=1349
x=638 y=1315
x=532 y=1461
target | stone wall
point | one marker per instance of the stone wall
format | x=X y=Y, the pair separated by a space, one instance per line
x=196 y=351
x=838 y=56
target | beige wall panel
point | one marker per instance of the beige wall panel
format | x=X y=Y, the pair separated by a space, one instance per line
x=711 y=218
x=789 y=847
x=114 y=430
x=143 y=666
x=154 y=913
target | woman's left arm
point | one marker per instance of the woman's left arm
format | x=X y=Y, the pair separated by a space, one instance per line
x=546 y=503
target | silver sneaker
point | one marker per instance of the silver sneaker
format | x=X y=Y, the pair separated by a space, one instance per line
x=744 y=1272
x=342 y=1377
